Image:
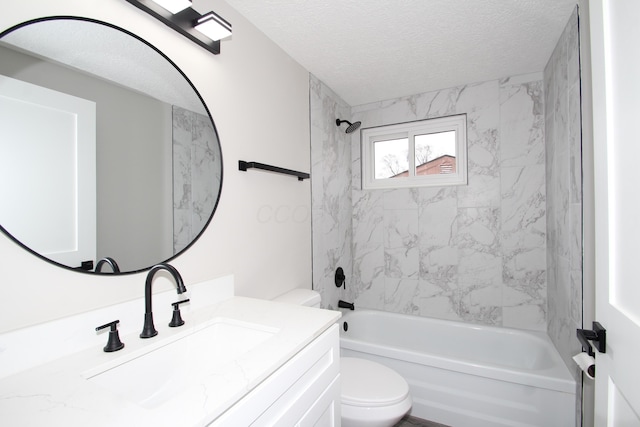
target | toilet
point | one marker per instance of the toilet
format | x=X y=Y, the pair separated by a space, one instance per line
x=372 y=395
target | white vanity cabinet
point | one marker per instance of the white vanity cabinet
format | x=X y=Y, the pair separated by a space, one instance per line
x=305 y=391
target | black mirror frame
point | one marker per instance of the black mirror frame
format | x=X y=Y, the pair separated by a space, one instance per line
x=215 y=206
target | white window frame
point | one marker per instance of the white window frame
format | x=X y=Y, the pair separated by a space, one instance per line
x=369 y=136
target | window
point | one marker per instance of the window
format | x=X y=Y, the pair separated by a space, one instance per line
x=430 y=152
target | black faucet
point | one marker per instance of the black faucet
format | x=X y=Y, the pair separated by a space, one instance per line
x=344 y=304
x=149 y=329
x=110 y=261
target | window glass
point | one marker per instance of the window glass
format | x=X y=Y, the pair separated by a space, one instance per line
x=431 y=152
x=391 y=158
x=435 y=153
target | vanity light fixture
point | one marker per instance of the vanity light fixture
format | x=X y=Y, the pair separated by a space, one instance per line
x=174 y=6
x=198 y=28
x=213 y=26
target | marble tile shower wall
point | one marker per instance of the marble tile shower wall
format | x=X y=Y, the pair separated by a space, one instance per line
x=330 y=191
x=195 y=181
x=475 y=253
x=564 y=192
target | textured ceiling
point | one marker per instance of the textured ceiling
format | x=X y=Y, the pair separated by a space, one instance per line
x=373 y=50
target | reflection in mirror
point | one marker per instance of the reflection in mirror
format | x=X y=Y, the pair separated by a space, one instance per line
x=106 y=148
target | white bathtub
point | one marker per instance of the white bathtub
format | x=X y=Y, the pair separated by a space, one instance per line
x=467 y=375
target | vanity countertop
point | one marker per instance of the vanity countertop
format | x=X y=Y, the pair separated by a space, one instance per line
x=57 y=393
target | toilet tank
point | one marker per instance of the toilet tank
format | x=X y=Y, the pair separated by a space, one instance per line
x=306 y=297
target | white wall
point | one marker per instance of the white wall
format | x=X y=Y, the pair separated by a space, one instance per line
x=259 y=99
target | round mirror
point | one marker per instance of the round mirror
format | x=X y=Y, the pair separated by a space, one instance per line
x=107 y=151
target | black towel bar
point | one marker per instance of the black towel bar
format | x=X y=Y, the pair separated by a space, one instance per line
x=243 y=166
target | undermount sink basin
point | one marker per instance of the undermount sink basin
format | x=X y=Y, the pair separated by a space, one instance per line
x=159 y=374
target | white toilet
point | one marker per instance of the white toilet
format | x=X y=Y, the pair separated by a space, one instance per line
x=372 y=394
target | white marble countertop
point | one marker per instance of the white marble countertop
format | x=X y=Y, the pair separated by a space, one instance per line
x=57 y=394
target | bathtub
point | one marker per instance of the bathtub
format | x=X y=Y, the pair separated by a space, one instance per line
x=467 y=375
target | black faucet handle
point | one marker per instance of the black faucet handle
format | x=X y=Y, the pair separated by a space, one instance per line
x=114 y=343
x=339 y=278
x=176 y=320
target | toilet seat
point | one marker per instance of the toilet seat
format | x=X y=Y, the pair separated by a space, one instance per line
x=369 y=384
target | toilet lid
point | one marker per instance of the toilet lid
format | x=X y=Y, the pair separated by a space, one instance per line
x=367 y=383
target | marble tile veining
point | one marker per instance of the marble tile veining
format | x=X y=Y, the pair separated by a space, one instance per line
x=564 y=193
x=446 y=252
x=196 y=177
x=332 y=199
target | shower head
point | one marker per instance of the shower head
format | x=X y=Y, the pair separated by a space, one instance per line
x=351 y=127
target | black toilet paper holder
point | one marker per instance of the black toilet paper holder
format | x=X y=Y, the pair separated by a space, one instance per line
x=598 y=334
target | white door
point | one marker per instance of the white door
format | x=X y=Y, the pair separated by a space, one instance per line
x=615 y=32
x=48 y=171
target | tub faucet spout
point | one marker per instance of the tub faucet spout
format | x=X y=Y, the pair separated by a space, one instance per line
x=149 y=329
x=344 y=304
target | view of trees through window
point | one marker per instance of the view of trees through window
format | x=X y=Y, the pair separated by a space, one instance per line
x=424 y=153
x=434 y=153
